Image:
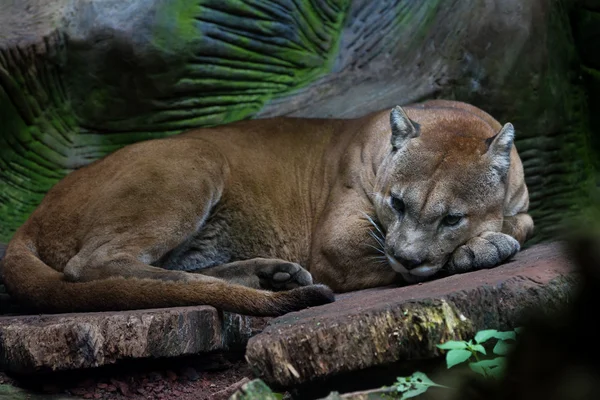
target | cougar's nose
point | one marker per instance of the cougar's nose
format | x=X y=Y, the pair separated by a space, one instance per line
x=409 y=263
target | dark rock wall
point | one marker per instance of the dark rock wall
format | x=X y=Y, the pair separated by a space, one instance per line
x=585 y=19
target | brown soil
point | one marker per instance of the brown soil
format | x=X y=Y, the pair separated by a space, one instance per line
x=181 y=379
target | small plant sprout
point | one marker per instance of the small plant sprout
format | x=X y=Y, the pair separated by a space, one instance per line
x=414 y=385
x=459 y=352
x=490 y=365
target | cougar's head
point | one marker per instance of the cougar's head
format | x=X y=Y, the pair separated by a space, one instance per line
x=442 y=183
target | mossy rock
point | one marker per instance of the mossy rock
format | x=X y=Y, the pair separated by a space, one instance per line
x=79 y=80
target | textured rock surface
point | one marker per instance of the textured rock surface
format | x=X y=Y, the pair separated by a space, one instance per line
x=71 y=341
x=376 y=327
x=79 y=79
x=586 y=30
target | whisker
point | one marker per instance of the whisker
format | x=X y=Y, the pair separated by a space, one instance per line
x=370 y=219
x=376 y=248
x=376 y=233
x=379 y=240
x=378 y=257
x=382 y=263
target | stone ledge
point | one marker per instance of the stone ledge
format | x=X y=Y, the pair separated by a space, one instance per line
x=71 y=341
x=380 y=326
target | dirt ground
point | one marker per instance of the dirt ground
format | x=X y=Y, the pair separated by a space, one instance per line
x=181 y=379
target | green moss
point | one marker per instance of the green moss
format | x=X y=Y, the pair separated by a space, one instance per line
x=433 y=324
x=420 y=17
x=32 y=150
x=202 y=63
x=175 y=29
x=247 y=47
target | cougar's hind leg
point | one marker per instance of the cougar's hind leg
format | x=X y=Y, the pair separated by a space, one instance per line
x=127 y=249
x=123 y=264
x=262 y=273
x=142 y=216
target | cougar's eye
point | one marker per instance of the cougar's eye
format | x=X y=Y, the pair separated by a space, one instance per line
x=398 y=204
x=452 y=220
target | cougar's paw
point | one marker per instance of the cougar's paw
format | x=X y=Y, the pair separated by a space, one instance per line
x=283 y=276
x=484 y=251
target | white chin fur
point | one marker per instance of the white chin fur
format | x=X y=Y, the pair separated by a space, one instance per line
x=396 y=266
x=414 y=275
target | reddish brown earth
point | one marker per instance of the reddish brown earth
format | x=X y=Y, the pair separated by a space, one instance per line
x=193 y=379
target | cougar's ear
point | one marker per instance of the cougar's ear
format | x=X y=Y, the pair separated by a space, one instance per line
x=402 y=127
x=499 y=148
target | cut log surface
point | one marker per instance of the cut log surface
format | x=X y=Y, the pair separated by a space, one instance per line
x=72 y=341
x=361 y=329
x=379 y=326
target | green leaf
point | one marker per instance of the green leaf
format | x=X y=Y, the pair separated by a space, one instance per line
x=502 y=348
x=414 y=385
x=493 y=368
x=454 y=357
x=478 y=348
x=519 y=330
x=509 y=335
x=453 y=345
x=414 y=392
x=485 y=335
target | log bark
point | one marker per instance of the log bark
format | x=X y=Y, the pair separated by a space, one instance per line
x=376 y=327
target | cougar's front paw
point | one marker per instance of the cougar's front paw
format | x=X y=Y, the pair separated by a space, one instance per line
x=283 y=276
x=484 y=251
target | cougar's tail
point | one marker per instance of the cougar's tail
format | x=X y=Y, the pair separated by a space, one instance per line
x=39 y=287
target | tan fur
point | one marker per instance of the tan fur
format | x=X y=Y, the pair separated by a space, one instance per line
x=248 y=204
